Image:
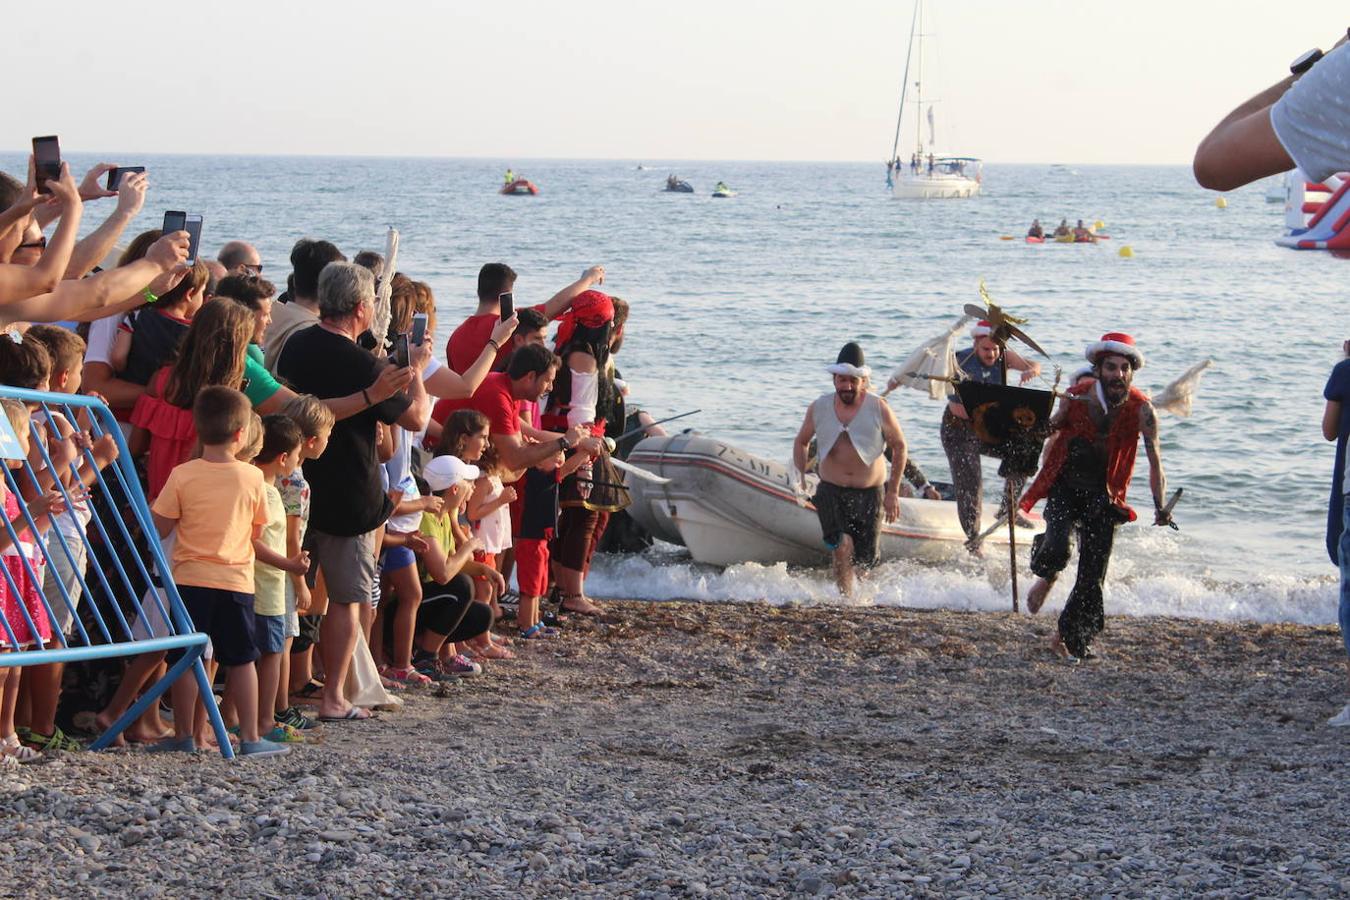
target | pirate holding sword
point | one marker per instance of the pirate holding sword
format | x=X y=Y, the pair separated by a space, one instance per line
x=1084 y=476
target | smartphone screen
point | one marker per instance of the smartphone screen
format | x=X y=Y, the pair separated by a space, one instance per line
x=175 y=220
x=508 y=303
x=193 y=227
x=47 y=157
x=115 y=176
x=402 y=355
x=419 y=328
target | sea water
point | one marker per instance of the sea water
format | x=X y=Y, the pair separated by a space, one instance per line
x=738 y=305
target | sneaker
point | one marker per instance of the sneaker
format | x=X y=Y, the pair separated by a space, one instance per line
x=1341 y=719
x=460 y=666
x=284 y=734
x=296 y=719
x=431 y=668
x=262 y=748
x=58 y=740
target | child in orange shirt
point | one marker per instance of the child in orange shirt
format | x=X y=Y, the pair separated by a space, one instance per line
x=217 y=507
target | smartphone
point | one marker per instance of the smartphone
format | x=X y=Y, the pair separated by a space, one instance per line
x=508 y=302
x=194 y=229
x=419 y=329
x=175 y=220
x=47 y=157
x=115 y=176
x=402 y=354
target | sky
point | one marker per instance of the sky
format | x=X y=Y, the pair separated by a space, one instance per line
x=1031 y=81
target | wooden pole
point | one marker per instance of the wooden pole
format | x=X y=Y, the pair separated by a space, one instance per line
x=1008 y=498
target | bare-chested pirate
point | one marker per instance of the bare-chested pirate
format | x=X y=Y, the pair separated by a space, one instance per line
x=852 y=429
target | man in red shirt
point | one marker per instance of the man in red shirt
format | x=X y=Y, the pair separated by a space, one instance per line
x=528 y=377
x=495 y=279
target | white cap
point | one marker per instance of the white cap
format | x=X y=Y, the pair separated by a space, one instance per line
x=447 y=471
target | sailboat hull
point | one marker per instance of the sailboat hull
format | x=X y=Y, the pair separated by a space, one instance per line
x=935 y=187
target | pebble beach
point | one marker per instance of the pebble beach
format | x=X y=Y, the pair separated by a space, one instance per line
x=681 y=749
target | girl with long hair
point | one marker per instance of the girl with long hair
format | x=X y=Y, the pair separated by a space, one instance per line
x=212 y=353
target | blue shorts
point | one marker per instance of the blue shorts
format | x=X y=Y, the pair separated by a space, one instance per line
x=227 y=618
x=269 y=633
x=396 y=558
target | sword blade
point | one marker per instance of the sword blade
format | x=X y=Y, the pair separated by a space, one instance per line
x=641 y=428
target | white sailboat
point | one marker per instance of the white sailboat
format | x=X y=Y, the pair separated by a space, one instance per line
x=927 y=174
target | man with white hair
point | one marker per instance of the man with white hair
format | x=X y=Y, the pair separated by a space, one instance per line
x=1084 y=476
x=853 y=429
x=348 y=502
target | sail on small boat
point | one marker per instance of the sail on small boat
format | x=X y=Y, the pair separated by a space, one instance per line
x=927 y=174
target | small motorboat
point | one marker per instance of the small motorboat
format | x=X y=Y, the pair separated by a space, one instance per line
x=679 y=187
x=723 y=190
x=520 y=186
x=728 y=506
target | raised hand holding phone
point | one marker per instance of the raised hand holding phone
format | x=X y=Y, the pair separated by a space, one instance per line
x=62 y=190
x=502 y=331
x=131 y=194
x=116 y=175
x=506 y=301
x=419 y=329
x=90 y=189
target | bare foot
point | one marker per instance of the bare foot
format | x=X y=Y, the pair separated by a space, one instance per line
x=1058 y=648
x=492 y=651
x=1036 y=596
x=581 y=606
x=102 y=722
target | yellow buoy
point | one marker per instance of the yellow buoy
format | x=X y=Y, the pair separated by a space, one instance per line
x=1098 y=225
x=1221 y=202
x=1126 y=252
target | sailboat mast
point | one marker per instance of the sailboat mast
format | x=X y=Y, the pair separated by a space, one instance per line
x=904 y=83
x=918 y=85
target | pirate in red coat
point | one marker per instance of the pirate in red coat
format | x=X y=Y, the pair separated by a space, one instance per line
x=1084 y=477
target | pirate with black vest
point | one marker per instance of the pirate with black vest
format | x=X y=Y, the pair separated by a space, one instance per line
x=1084 y=476
x=853 y=429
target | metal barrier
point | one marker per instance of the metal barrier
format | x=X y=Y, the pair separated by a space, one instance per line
x=158 y=621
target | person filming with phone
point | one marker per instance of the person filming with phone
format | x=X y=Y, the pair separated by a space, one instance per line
x=496 y=286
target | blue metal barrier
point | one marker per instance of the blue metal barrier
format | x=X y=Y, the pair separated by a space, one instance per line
x=162 y=624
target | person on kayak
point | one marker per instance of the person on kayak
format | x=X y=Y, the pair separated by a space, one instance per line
x=1063 y=229
x=1036 y=230
x=853 y=428
x=962 y=445
x=1081 y=235
x=1085 y=473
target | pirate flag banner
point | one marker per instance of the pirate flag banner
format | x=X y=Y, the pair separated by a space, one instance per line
x=1012 y=422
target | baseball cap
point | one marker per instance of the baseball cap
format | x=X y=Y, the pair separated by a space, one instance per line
x=447 y=471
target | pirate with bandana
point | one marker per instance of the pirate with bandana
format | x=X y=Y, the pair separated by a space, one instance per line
x=853 y=428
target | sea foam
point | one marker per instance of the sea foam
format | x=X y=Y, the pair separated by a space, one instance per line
x=970 y=585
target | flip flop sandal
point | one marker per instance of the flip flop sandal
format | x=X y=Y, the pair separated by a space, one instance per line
x=355 y=714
